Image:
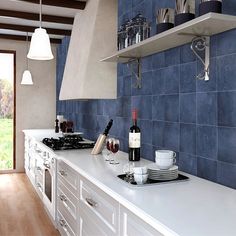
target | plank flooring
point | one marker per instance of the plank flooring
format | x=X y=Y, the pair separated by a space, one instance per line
x=21 y=211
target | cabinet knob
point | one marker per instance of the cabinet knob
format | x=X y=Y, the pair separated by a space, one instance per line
x=63 y=198
x=91 y=202
x=62 y=223
x=62 y=172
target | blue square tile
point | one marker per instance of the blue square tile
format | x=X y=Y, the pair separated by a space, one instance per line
x=127 y=81
x=207 y=169
x=123 y=107
x=227 y=109
x=100 y=107
x=207 y=108
x=171 y=136
x=158 y=133
x=186 y=54
x=166 y=135
x=172 y=57
x=188 y=138
x=188 y=108
x=109 y=107
x=188 y=77
x=102 y=122
x=146 y=131
x=121 y=127
x=210 y=85
x=158 y=107
x=146 y=88
x=172 y=108
x=207 y=142
x=226 y=145
x=144 y=106
x=146 y=63
x=146 y=152
x=158 y=82
x=120 y=69
x=171 y=75
x=227 y=73
x=187 y=163
x=158 y=60
x=226 y=174
x=226 y=42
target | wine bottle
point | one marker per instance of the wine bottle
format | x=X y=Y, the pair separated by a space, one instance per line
x=134 y=139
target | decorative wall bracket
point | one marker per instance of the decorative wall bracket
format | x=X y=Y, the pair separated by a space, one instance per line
x=201 y=48
x=135 y=66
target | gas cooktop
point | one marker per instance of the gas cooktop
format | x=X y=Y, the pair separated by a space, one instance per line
x=68 y=142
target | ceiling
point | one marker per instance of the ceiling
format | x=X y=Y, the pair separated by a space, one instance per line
x=17 y=17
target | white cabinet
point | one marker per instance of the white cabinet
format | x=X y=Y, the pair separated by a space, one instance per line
x=67 y=201
x=99 y=212
x=131 y=225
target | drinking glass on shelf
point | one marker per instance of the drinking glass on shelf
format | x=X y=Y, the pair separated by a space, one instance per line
x=114 y=147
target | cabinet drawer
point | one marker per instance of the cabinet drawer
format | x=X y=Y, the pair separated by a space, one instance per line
x=101 y=205
x=67 y=200
x=132 y=225
x=63 y=226
x=68 y=177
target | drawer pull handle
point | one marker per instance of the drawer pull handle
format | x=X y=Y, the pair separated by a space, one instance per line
x=63 y=198
x=62 y=172
x=91 y=202
x=62 y=223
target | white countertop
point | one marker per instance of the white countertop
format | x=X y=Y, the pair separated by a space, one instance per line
x=192 y=208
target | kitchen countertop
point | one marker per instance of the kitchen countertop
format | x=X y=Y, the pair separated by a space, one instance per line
x=192 y=208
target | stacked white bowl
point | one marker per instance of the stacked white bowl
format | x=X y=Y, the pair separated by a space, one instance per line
x=140 y=174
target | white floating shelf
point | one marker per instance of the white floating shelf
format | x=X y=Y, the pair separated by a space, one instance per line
x=206 y=25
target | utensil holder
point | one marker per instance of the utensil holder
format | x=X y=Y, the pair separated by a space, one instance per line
x=207 y=6
x=184 y=11
x=165 y=19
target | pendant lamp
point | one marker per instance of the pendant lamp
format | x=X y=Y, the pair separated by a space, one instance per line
x=27 y=78
x=40 y=48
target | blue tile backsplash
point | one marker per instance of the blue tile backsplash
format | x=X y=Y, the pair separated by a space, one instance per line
x=197 y=119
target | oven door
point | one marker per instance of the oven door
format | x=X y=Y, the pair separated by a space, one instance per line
x=49 y=187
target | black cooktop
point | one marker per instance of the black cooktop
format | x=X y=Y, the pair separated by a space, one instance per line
x=68 y=142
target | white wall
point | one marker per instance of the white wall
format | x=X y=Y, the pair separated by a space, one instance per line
x=35 y=105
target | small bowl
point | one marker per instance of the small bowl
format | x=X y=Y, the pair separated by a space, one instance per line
x=140 y=170
x=140 y=179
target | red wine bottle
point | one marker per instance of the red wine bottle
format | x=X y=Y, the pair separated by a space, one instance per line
x=134 y=139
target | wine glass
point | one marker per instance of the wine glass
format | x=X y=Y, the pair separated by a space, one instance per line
x=109 y=142
x=115 y=145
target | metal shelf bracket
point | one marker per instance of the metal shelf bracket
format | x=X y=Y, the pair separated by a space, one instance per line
x=135 y=66
x=201 y=48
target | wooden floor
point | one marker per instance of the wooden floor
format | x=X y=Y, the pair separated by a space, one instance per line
x=21 y=211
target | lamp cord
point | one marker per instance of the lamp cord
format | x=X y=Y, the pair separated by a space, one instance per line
x=40 y=13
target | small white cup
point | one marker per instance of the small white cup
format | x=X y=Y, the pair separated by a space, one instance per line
x=140 y=179
x=165 y=163
x=165 y=159
x=165 y=154
x=140 y=170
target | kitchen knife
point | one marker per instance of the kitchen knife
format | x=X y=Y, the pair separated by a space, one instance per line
x=101 y=139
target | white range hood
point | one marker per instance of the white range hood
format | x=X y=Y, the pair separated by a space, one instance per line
x=93 y=38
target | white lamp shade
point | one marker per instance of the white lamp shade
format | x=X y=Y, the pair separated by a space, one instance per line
x=27 y=78
x=40 y=48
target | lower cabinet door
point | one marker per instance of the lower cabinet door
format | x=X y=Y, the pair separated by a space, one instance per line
x=90 y=226
x=132 y=225
x=63 y=225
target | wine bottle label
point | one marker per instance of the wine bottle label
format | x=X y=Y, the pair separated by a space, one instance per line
x=134 y=140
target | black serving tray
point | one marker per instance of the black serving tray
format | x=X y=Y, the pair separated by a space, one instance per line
x=151 y=181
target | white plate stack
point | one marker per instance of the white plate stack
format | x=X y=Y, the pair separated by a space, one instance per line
x=155 y=173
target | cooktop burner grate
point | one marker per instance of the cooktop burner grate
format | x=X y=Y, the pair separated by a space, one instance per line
x=68 y=142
